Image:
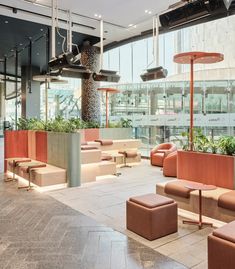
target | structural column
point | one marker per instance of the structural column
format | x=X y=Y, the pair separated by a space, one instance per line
x=30 y=93
x=153 y=109
x=90 y=96
x=2 y=102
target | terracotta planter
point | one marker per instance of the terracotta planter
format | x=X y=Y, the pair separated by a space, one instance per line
x=207 y=168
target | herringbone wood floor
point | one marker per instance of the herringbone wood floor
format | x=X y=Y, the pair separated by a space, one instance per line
x=38 y=232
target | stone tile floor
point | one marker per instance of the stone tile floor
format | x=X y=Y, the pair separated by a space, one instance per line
x=39 y=232
x=105 y=199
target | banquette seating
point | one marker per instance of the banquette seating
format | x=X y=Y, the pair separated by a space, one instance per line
x=217 y=204
x=100 y=157
x=160 y=152
x=45 y=175
x=50 y=150
x=113 y=147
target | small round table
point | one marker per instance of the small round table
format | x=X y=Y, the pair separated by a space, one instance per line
x=200 y=187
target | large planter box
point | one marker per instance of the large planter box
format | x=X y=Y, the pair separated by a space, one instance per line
x=207 y=168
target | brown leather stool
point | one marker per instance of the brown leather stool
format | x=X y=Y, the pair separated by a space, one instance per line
x=221 y=247
x=151 y=216
x=14 y=163
x=128 y=154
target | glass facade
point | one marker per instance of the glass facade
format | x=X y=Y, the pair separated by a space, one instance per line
x=160 y=110
x=63 y=99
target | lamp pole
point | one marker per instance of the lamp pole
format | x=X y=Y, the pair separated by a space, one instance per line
x=191 y=103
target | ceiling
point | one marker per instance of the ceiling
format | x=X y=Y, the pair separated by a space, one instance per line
x=21 y=20
x=118 y=15
x=120 y=12
x=19 y=37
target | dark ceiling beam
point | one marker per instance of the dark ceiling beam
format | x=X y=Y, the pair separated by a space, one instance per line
x=43 y=16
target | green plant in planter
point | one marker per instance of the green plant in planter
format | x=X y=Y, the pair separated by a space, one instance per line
x=227 y=145
x=23 y=124
x=60 y=125
x=126 y=123
x=201 y=142
x=184 y=143
x=213 y=145
x=92 y=125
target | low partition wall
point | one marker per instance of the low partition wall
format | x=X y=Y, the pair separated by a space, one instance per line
x=15 y=145
x=207 y=168
x=88 y=135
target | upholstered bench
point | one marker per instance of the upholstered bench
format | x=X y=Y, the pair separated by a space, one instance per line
x=45 y=176
x=12 y=165
x=28 y=168
x=217 y=204
x=106 y=157
x=227 y=200
x=221 y=247
x=151 y=216
x=90 y=156
x=178 y=188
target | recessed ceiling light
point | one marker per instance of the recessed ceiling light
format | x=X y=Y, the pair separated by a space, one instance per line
x=41 y=29
x=6 y=22
x=148 y=11
x=21 y=44
x=97 y=15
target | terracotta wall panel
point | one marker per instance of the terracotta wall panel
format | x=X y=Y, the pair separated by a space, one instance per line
x=41 y=146
x=32 y=144
x=206 y=168
x=15 y=144
x=92 y=134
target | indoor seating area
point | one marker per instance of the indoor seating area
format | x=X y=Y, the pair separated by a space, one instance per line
x=117 y=134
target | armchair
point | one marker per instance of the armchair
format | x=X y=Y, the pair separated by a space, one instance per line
x=160 y=152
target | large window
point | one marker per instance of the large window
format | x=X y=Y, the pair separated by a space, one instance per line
x=160 y=110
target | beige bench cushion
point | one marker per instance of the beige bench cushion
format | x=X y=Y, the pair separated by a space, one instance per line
x=177 y=187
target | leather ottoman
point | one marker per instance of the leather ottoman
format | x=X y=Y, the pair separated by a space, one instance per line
x=151 y=216
x=221 y=247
